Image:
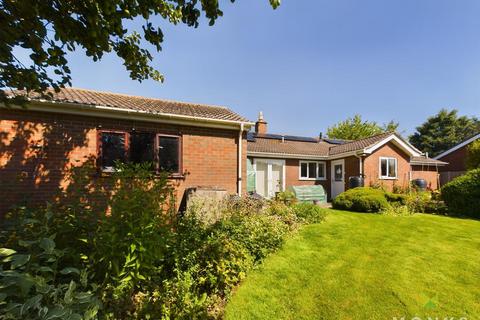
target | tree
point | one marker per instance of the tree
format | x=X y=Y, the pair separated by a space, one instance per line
x=48 y=30
x=443 y=131
x=473 y=155
x=355 y=128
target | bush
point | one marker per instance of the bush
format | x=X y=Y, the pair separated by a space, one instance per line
x=140 y=261
x=309 y=212
x=397 y=209
x=419 y=201
x=287 y=197
x=462 y=194
x=37 y=280
x=362 y=199
x=395 y=197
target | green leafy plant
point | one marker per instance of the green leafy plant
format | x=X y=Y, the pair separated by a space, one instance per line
x=37 y=282
x=362 y=199
x=132 y=241
x=287 y=197
x=309 y=212
x=397 y=209
x=462 y=194
x=473 y=155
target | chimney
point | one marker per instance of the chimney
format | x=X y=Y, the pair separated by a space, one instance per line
x=261 y=124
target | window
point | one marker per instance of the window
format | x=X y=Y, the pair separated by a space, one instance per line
x=388 y=168
x=338 y=169
x=139 y=147
x=169 y=154
x=310 y=170
x=113 y=148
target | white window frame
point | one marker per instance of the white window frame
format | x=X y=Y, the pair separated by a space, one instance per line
x=317 y=163
x=388 y=168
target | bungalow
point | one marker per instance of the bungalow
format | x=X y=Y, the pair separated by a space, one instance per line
x=456 y=158
x=276 y=162
x=202 y=145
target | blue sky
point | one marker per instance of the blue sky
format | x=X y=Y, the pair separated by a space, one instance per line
x=309 y=64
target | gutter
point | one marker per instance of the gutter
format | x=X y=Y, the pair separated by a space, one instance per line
x=128 y=114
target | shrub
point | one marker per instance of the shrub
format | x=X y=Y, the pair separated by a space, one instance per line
x=395 y=197
x=462 y=194
x=140 y=260
x=309 y=212
x=362 y=199
x=418 y=201
x=287 y=197
x=397 y=209
x=473 y=155
x=37 y=280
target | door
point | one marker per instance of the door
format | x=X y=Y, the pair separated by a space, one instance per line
x=338 y=177
x=269 y=176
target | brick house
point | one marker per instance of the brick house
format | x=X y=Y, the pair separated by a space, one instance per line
x=276 y=162
x=201 y=145
x=456 y=158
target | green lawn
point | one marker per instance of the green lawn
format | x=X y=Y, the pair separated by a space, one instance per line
x=367 y=266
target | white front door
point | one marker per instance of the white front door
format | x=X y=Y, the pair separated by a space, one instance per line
x=269 y=176
x=337 y=177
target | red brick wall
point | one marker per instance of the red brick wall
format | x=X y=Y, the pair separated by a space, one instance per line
x=292 y=176
x=37 y=149
x=352 y=169
x=456 y=160
x=372 y=167
x=429 y=173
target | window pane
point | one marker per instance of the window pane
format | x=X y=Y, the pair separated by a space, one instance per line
x=392 y=168
x=113 y=148
x=338 y=169
x=304 y=170
x=168 y=154
x=312 y=170
x=321 y=170
x=383 y=167
x=141 y=147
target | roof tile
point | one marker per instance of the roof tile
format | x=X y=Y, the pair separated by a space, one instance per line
x=136 y=103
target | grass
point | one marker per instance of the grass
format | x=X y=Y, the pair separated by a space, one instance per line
x=367 y=266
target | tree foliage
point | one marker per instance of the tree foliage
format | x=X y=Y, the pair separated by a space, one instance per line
x=443 y=131
x=473 y=155
x=48 y=30
x=355 y=128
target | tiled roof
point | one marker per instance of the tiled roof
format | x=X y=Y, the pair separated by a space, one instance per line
x=141 y=104
x=359 y=144
x=306 y=146
x=426 y=161
x=266 y=144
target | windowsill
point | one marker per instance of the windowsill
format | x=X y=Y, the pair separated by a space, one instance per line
x=388 y=178
x=179 y=176
x=312 y=179
x=176 y=176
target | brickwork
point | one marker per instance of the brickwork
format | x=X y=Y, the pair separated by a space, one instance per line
x=372 y=167
x=456 y=160
x=292 y=175
x=38 y=149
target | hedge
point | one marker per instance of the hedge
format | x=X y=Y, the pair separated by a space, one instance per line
x=362 y=199
x=462 y=194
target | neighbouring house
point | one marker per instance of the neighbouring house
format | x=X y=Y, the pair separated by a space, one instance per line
x=276 y=162
x=456 y=158
x=201 y=145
